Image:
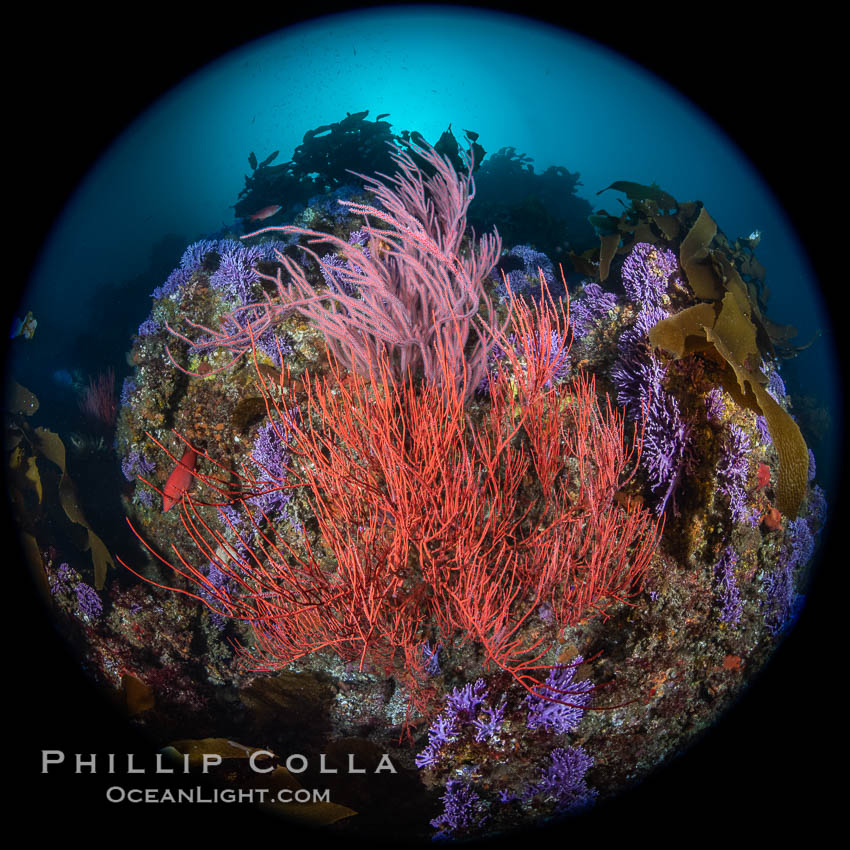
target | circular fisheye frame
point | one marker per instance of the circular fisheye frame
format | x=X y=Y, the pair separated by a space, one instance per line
x=410 y=435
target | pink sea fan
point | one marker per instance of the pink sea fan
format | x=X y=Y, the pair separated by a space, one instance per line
x=410 y=289
x=417 y=293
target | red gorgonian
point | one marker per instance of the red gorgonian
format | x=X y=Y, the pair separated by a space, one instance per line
x=433 y=521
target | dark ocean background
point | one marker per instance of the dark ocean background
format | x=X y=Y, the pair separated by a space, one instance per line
x=172 y=176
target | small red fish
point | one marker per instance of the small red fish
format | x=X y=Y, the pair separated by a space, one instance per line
x=179 y=481
x=265 y=212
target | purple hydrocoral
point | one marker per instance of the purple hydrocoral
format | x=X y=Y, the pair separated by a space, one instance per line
x=594 y=305
x=443 y=730
x=333 y=271
x=269 y=450
x=647 y=272
x=715 y=406
x=65 y=577
x=638 y=375
x=144 y=496
x=560 y=787
x=136 y=465
x=243 y=320
x=149 y=326
x=275 y=346
x=489 y=722
x=272 y=459
x=465 y=703
x=89 y=604
x=270 y=251
x=463 y=810
x=775 y=385
x=329 y=206
x=727 y=583
x=801 y=543
x=817 y=508
x=495 y=358
x=733 y=471
x=782 y=603
x=667 y=453
x=88 y=601
x=236 y=273
x=127 y=390
x=560 y=707
x=563 y=780
x=557 y=357
x=466 y=707
x=764 y=433
x=528 y=277
x=431 y=659
x=174 y=282
x=339 y=272
x=195 y=254
x=230 y=517
x=667 y=450
x=218 y=580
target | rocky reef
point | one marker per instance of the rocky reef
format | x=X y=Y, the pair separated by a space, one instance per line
x=599 y=535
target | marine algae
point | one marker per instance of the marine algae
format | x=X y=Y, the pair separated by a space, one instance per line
x=52 y=447
x=732 y=335
x=728 y=319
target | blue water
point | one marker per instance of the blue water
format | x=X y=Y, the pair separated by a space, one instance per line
x=562 y=100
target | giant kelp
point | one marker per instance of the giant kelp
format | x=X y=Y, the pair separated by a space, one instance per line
x=731 y=334
x=541 y=209
x=322 y=163
x=26 y=446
